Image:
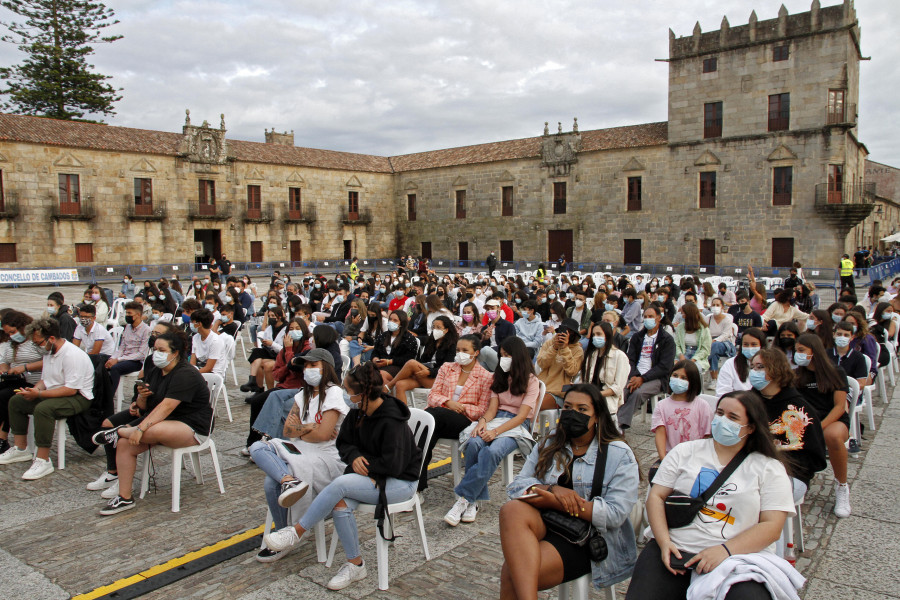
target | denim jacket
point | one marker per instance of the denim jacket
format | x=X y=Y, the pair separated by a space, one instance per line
x=611 y=510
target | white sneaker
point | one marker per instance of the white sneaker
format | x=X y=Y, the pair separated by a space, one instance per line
x=39 y=468
x=283 y=539
x=103 y=482
x=842 y=500
x=469 y=515
x=14 y=455
x=455 y=514
x=112 y=491
x=347 y=575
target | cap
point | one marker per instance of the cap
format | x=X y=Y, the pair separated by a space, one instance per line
x=317 y=354
x=492 y=302
x=572 y=326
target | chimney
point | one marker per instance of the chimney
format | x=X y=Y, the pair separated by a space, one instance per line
x=282 y=139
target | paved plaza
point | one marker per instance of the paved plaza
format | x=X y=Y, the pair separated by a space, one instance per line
x=54 y=545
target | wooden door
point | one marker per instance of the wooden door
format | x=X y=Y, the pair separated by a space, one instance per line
x=426 y=250
x=296 y=251
x=632 y=252
x=506 y=250
x=463 y=250
x=256 y=251
x=708 y=253
x=559 y=242
x=782 y=252
x=348 y=249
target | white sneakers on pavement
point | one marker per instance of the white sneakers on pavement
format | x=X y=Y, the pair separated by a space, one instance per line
x=842 y=500
x=39 y=468
x=454 y=515
x=112 y=491
x=348 y=574
x=103 y=482
x=14 y=455
x=283 y=539
x=468 y=515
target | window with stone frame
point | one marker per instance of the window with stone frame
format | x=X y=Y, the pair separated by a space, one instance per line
x=710 y=65
x=143 y=196
x=780 y=53
x=634 y=194
x=410 y=207
x=69 y=194
x=559 y=197
x=207 y=196
x=506 y=201
x=779 y=112
x=708 y=189
x=8 y=253
x=353 y=205
x=460 y=204
x=254 y=201
x=783 y=185
x=84 y=252
x=712 y=120
x=295 y=203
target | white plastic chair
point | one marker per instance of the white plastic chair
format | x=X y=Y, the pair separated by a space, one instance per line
x=711 y=399
x=787 y=533
x=855 y=410
x=580 y=589
x=60 y=441
x=116 y=310
x=652 y=403
x=867 y=395
x=885 y=372
x=214 y=383
x=422 y=425
x=506 y=465
x=230 y=347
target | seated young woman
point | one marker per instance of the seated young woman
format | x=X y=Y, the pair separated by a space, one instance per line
x=262 y=359
x=558 y=475
x=394 y=347
x=745 y=515
x=383 y=464
x=504 y=428
x=306 y=456
x=440 y=348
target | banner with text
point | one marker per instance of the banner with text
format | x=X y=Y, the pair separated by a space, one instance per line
x=43 y=276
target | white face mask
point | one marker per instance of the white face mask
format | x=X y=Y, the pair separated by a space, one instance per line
x=554 y=317
x=505 y=363
x=438 y=334
x=463 y=359
x=579 y=303
x=161 y=359
x=716 y=310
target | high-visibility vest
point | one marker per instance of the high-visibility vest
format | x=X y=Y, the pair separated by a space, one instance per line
x=846 y=267
x=354 y=271
x=540 y=274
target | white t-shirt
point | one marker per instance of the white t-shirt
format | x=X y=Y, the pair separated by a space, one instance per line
x=71 y=368
x=758 y=484
x=97 y=333
x=334 y=400
x=212 y=348
x=645 y=362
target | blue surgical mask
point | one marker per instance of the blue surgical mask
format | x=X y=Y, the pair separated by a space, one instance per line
x=758 y=379
x=51 y=310
x=841 y=341
x=649 y=323
x=810 y=325
x=296 y=334
x=801 y=359
x=725 y=431
x=836 y=318
x=749 y=352
x=609 y=306
x=599 y=341
x=312 y=376
x=17 y=337
x=339 y=298
x=679 y=386
x=194 y=327
x=272 y=305
x=210 y=306
x=393 y=326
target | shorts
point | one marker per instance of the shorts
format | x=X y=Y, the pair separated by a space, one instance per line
x=575 y=559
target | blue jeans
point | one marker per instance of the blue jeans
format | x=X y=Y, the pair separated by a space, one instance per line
x=482 y=459
x=274 y=413
x=275 y=469
x=353 y=489
x=253 y=329
x=720 y=349
x=356 y=348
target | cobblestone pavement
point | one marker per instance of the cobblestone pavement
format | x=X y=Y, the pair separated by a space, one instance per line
x=53 y=544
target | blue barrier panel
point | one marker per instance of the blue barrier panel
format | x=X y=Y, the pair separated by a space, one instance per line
x=735 y=272
x=328 y=267
x=110 y=273
x=383 y=264
x=663 y=270
x=610 y=267
x=506 y=265
x=366 y=264
x=440 y=264
x=180 y=271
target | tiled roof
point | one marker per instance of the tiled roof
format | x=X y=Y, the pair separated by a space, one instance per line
x=631 y=136
x=95 y=136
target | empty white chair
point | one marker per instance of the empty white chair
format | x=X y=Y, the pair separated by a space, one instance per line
x=214 y=383
x=856 y=409
x=422 y=425
x=230 y=347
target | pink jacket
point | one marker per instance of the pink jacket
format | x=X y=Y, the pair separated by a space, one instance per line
x=476 y=392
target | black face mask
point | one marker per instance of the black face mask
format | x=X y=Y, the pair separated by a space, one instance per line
x=129 y=319
x=469 y=295
x=151 y=341
x=786 y=343
x=573 y=423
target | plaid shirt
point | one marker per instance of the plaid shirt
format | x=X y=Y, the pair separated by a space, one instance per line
x=133 y=344
x=476 y=392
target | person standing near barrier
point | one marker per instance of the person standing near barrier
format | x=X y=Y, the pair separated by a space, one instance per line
x=491 y=263
x=847 y=283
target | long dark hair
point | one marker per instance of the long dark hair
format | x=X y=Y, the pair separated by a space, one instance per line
x=591 y=351
x=520 y=372
x=366 y=379
x=825 y=331
x=450 y=337
x=695 y=381
x=741 y=364
x=329 y=378
x=404 y=324
x=826 y=376
x=552 y=450
x=760 y=439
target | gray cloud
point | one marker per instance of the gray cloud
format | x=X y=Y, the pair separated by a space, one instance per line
x=393 y=76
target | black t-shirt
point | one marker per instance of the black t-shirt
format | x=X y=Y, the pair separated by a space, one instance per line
x=821 y=402
x=185 y=384
x=746 y=321
x=225 y=267
x=795 y=427
x=853 y=363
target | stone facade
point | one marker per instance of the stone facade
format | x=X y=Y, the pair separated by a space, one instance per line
x=669 y=169
x=885 y=219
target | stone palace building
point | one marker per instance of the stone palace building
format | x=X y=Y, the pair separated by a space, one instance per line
x=758 y=162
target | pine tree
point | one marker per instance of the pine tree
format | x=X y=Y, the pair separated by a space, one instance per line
x=55 y=79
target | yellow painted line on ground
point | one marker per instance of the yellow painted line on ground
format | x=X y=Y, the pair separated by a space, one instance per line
x=191 y=556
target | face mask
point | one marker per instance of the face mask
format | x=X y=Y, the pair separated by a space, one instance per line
x=468 y=318
x=161 y=359
x=210 y=307
x=554 y=317
x=573 y=423
x=86 y=323
x=51 y=310
x=570 y=295
x=151 y=297
x=726 y=431
x=95 y=297
x=801 y=359
x=749 y=352
x=296 y=335
x=491 y=315
x=551 y=296
x=649 y=323
x=162 y=297
x=716 y=310
x=854 y=329
x=608 y=306
x=579 y=303
x=382 y=290
x=599 y=341
x=463 y=359
x=339 y=299
x=130 y=320
x=505 y=363
x=836 y=318
x=758 y=379
x=810 y=325
x=272 y=305
x=206 y=281
x=393 y=326
x=786 y=343
x=153 y=317
x=194 y=327
x=312 y=376
x=609 y=286
x=438 y=334
x=17 y=337
x=679 y=386
x=841 y=341
x=318 y=286
x=541 y=300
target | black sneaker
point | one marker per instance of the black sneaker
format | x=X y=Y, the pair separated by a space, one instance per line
x=251 y=386
x=291 y=491
x=267 y=555
x=4 y=446
x=117 y=505
x=854 y=447
x=107 y=437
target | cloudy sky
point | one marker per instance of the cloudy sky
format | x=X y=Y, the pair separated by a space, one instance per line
x=395 y=76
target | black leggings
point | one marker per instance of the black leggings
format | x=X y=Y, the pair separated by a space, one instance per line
x=651 y=580
x=7 y=391
x=447 y=424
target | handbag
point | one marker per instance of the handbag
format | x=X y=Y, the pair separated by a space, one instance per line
x=578 y=531
x=682 y=508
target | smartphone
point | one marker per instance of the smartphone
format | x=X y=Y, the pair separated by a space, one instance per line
x=678 y=563
x=528 y=496
x=291 y=448
x=139 y=382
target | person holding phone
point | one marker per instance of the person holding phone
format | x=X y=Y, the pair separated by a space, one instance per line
x=558 y=475
x=744 y=516
x=560 y=359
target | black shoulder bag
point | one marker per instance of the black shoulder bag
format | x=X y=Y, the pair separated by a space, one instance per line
x=579 y=531
x=681 y=508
